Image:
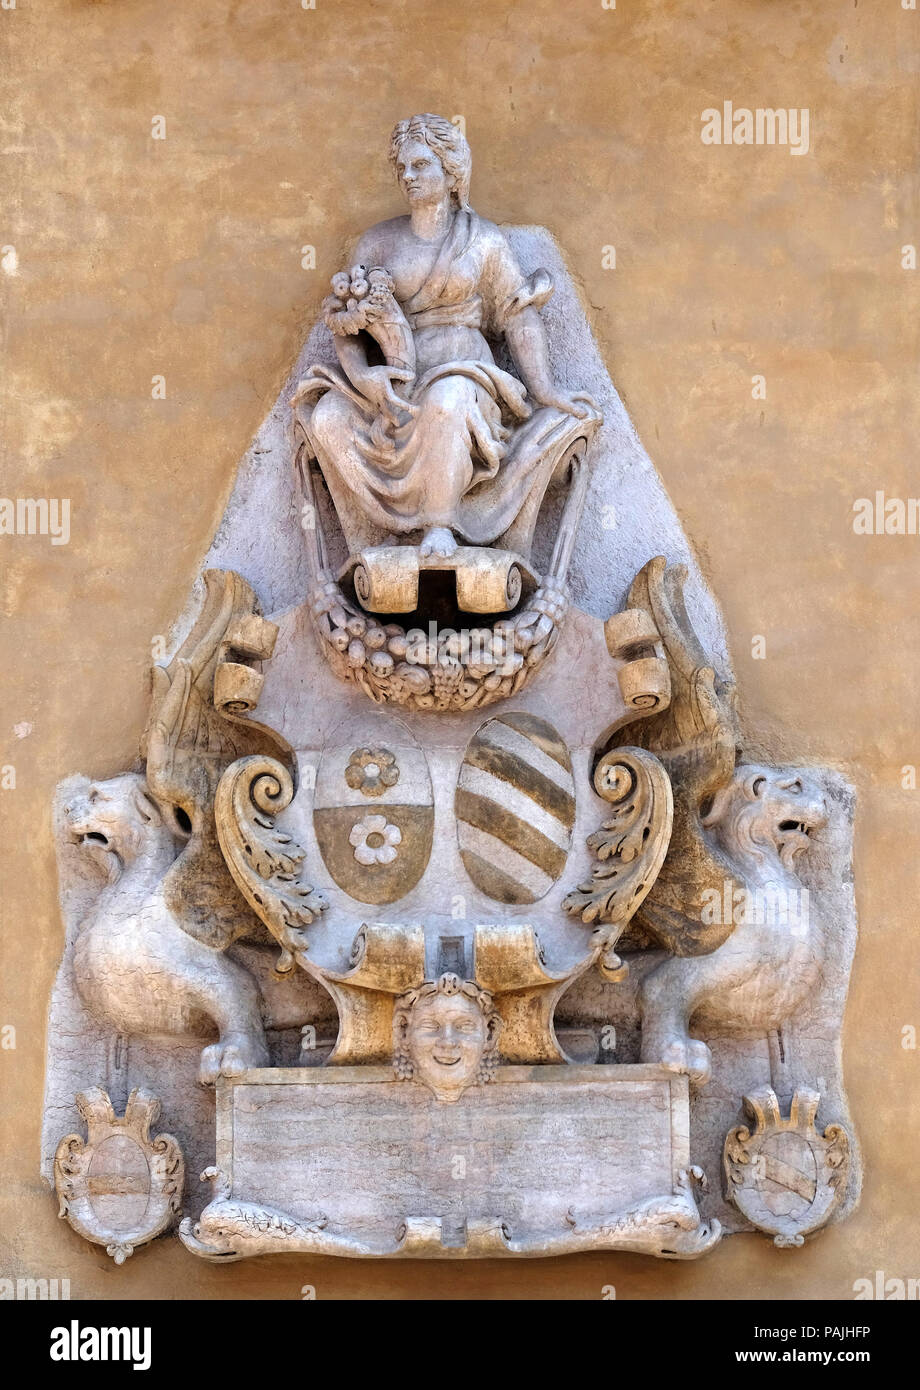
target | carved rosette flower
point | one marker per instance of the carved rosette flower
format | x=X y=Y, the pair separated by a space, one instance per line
x=371 y=771
x=375 y=841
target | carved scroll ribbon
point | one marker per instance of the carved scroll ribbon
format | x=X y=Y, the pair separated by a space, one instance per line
x=644 y=679
x=508 y=962
x=237 y=685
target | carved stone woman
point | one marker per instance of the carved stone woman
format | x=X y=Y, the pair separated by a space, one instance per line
x=418 y=429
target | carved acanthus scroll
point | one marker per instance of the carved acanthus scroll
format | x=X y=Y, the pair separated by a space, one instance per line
x=265 y=862
x=630 y=847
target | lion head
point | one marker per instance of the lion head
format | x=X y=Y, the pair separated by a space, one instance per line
x=766 y=811
x=117 y=821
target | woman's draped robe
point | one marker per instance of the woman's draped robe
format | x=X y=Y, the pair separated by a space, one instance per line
x=475 y=458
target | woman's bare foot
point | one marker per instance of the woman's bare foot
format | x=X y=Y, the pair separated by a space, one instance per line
x=438 y=541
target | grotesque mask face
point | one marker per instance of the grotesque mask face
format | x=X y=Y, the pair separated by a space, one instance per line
x=446 y=1036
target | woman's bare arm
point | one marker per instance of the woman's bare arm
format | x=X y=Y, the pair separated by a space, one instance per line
x=525 y=334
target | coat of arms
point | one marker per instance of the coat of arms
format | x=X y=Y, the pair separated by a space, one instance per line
x=119 y=1187
x=491 y=838
x=783 y=1174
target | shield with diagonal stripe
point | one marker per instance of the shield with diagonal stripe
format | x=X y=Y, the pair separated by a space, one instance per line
x=515 y=808
x=782 y=1173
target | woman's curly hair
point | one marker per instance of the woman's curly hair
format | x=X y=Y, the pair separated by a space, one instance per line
x=448 y=143
x=448 y=984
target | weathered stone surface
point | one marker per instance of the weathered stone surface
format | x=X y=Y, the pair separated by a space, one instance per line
x=119 y=1187
x=370 y=1152
x=784 y=1174
x=728 y=262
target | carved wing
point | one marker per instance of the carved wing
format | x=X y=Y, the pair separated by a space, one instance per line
x=195 y=730
x=696 y=739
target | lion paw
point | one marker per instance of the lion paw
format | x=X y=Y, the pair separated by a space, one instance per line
x=233 y=1055
x=689 y=1056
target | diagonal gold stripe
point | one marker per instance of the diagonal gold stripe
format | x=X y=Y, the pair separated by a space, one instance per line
x=527 y=779
x=540 y=733
x=119 y=1184
x=493 y=819
x=493 y=881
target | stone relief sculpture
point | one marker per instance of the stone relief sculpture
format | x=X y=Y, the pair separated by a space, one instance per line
x=437 y=439
x=595 y=900
x=630 y=847
x=150 y=957
x=785 y=1176
x=773 y=957
x=136 y=964
x=436 y=458
x=738 y=831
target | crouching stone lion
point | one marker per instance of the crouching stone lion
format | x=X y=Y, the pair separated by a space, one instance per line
x=761 y=822
x=138 y=964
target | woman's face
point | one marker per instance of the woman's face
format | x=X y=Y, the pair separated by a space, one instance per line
x=420 y=173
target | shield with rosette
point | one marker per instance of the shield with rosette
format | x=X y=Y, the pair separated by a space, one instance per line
x=373 y=810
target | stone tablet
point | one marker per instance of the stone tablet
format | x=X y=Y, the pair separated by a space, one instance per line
x=371 y=1153
x=352 y=1156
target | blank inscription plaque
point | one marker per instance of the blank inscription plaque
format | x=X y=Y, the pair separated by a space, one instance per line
x=369 y=1151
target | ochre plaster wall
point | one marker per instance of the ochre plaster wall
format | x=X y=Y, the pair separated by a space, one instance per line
x=182 y=257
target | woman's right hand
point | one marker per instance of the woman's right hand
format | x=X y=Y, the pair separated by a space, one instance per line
x=377 y=385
